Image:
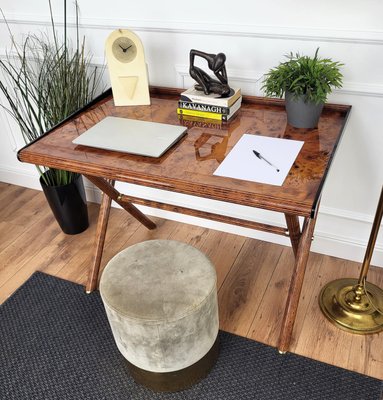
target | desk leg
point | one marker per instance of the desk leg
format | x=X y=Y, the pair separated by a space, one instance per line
x=294 y=228
x=109 y=194
x=296 y=283
x=102 y=224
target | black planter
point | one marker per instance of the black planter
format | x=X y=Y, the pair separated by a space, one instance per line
x=68 y=204
x=301 y=113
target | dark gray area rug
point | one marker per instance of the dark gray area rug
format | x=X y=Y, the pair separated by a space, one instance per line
x=55 y=343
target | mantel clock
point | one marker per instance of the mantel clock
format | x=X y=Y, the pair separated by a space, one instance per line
x=127 y=68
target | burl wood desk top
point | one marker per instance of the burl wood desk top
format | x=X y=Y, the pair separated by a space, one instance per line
x=188 y=166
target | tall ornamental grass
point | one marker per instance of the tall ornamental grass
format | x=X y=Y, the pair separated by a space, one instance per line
x=44 y=80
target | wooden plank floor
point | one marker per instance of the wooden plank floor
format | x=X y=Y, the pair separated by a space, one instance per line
x=253 y=276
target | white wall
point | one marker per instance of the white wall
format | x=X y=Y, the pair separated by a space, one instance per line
x=254 y=36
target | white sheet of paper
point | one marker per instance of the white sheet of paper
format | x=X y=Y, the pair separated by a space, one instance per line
x=242 y=163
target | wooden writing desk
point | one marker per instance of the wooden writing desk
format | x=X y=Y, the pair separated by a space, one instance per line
x=188 y=168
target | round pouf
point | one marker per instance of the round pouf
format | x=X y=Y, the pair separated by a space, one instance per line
x=160 y=297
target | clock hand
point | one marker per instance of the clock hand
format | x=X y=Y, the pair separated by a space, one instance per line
x=125 y=49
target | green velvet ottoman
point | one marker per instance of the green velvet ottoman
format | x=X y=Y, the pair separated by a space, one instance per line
x=160 y=297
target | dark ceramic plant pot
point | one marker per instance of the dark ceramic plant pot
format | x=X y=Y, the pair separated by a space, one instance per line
x=300 y=113
x=68 y=204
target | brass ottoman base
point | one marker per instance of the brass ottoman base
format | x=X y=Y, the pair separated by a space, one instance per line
x=175 y=381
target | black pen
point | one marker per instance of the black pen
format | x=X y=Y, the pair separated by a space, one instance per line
x=260 y=156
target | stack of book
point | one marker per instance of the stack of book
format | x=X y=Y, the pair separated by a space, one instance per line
x=196 y=104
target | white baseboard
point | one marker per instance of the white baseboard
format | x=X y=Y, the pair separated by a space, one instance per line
x=22 y=176
x=338 y=233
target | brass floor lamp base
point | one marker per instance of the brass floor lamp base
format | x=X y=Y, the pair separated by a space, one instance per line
x=339 y=304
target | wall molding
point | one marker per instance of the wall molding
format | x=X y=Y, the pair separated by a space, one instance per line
x=365 y=37
x=249 y=79
x=347 y=215
x=361 y=89
x=251 y=82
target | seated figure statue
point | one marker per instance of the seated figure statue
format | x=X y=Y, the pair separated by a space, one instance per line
x=216 y=63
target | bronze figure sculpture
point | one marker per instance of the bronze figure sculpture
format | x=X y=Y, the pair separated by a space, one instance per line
x=206 y=83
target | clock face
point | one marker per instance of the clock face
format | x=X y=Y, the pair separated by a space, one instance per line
x=124 y=49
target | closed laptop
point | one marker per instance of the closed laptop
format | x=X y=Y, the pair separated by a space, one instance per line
x=132 y=136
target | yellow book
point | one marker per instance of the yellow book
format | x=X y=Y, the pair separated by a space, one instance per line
x=201 y=114
x=211 y=115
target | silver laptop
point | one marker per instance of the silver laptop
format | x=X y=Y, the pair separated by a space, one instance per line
x=144 y=138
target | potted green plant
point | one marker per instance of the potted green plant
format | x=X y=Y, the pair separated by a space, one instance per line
x=44 y=80
x=306 y=82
